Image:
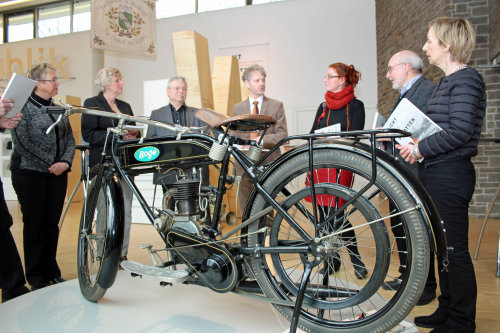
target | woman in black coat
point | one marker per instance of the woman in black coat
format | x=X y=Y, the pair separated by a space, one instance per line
x=40 y=163
x=458 y=107
x=94 y=130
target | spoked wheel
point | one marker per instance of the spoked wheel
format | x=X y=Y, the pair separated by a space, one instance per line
x=350 y=254
x=95 y=257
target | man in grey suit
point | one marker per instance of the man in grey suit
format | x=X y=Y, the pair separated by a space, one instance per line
x=175 y=113
x=254 y=78
x=405 y=73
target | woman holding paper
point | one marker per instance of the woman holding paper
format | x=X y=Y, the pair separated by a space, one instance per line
x=40 y=164
x=458 y=107
x=341 y=111
x=94 y=130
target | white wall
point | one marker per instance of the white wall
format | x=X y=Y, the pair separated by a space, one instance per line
x=302 y=36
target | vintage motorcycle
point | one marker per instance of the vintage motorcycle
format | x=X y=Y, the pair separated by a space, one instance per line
x=300 y=240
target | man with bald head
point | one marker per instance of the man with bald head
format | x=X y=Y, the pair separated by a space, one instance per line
x=405 y=73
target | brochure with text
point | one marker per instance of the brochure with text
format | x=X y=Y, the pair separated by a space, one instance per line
x=409 y=118
x=329 y=129
x=19 y=88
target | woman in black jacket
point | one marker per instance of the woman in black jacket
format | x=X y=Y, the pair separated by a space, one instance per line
x=94 y=130
x=40 y=164
x=458 y=107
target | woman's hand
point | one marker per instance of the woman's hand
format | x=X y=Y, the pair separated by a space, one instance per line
x=10 y=123
x=58 y=168
x=6 y=105
x=406 y=152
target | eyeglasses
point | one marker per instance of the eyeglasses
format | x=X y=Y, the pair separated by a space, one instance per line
x=390 y=68
x=52 y=80
x=178 y=89
x=329 y=77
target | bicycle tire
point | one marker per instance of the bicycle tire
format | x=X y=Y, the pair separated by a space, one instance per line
x=342 y=309
x=94 y=257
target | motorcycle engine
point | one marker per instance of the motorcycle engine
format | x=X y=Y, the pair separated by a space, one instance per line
x=181 y=206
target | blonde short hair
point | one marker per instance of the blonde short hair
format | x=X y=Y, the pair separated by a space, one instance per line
x=458 y=33
x=37 y=71
x=104 y=76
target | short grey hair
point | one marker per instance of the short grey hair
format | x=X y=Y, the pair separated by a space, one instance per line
x=411 y=58
x=37 y=71
x=176 y=78
x=249 y=70
x=104 y=76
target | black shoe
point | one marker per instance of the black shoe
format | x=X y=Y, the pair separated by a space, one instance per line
x=447 y=328
x=10 y=294
x=38 y=285
x=434 y=320
x=57 y=280
x=394 y=284
x=359 y=268
x=426 y=297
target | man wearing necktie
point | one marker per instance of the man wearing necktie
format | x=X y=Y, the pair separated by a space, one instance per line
x=405 y=73
x=254 y=78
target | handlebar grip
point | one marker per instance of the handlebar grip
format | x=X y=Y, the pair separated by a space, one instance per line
x=54 y=109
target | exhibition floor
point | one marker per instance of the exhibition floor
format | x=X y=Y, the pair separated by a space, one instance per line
x=137 y=305
x=141 y=305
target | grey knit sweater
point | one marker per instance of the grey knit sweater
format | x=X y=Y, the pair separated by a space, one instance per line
x=35 y=150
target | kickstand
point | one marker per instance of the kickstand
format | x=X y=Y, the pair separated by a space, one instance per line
x=300 y=297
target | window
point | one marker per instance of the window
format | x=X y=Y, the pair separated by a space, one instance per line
x=208 y=5
x=81 y=15
x=169 y=8
x=20 y=27
x=54 y=20
x=74 y=15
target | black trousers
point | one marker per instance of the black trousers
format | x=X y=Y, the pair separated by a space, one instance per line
x=451 y=185
x=11 y=268
x=42 y=200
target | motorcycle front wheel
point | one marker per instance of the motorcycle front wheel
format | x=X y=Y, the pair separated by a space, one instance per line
x=99 y=233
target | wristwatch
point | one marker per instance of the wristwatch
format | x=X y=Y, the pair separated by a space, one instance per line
x=414 y=152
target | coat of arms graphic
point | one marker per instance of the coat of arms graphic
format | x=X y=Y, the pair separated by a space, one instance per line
x=124 y=26
x=124 y=21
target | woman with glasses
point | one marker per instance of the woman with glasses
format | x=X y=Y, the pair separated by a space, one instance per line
x=457 y=106
x=343 y=109
x=40 y=164
x=94 y=130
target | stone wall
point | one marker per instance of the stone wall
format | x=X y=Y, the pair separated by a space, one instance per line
x=403 y=25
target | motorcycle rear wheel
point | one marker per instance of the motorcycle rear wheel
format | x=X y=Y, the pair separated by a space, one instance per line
x=336 y=298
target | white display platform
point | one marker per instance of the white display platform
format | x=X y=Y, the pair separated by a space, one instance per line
x=137 y=305
x=142 y=305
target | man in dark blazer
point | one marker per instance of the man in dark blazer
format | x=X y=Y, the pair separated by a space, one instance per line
x=254 y=78
x=405 y=73
x=175 y=113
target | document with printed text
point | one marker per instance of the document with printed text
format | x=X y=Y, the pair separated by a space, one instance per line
x=408 y=117
x=19 y=88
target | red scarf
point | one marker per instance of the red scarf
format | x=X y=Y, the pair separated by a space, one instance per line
x=337 y=100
